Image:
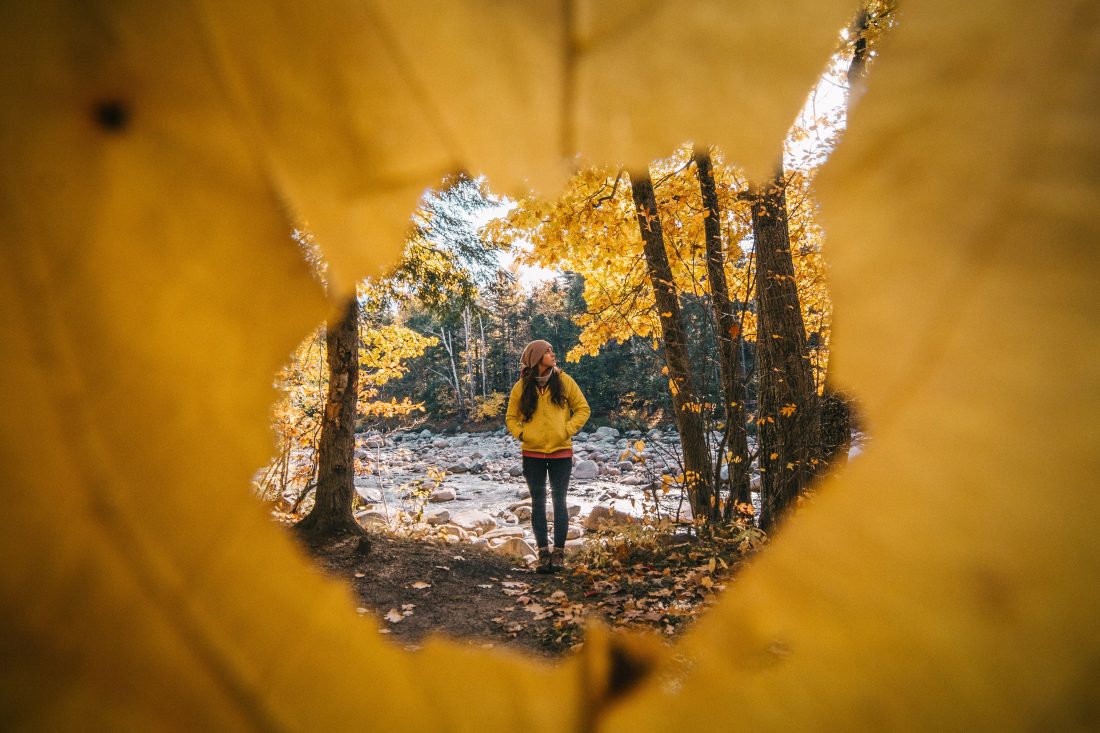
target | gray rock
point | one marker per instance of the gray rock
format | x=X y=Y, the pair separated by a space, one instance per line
x=435 y=517
x=440 y=443
x=503 y=532
x=375 y=441
x=603 y=514
x=634 y=480
x=453 y=531
x=442 y=494
x=515 y=471
x=458 y=468
x=425 y=433
x=369 y=494
x=606 y=432
x=513 y=547
x=522 y=512
x=473 y=520
x=573 y=546
x=477 y=467
x=625 y=465
x=371 y=519
x=586 y=469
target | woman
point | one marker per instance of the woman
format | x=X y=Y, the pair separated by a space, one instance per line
x=546 y=408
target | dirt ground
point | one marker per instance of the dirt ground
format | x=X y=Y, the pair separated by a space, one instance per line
x=421 y=587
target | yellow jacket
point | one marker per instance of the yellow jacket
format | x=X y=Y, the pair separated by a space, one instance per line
x=551 y=428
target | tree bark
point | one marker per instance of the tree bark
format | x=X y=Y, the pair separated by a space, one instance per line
x=837 y=413
x=466 y=324
x=788 y=416
x=482 y=348
x=698 y=478
x=331 y=515
x=729 y=344
x=448 y=344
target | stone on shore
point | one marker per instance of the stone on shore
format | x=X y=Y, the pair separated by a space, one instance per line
x=586 y=469
x=473 y=520
x=442 y=494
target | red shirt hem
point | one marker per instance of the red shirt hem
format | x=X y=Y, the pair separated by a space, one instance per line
x=567 y=453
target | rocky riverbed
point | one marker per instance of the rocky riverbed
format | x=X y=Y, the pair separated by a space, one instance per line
x=472 y=488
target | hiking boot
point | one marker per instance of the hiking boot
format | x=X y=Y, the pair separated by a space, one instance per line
x=557 y=559
x=544 y=561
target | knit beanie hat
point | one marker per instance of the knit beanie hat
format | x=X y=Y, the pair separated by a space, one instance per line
x=534 y=352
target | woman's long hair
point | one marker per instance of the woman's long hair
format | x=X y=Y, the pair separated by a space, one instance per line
x=529 y=399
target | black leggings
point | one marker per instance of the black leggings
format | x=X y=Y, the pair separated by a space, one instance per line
x=535 y=471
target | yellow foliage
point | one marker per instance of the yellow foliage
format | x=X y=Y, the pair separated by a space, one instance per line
x=151 y=152
x=486 y=408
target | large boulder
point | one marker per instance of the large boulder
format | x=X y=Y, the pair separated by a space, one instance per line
x=586 y=469
x=606 y=433
x=516 y=470
x=474 y=520
x=425 y=433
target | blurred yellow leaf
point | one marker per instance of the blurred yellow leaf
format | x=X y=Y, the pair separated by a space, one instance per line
x=155 y=158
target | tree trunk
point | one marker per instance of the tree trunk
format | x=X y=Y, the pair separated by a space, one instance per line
x=698 y=477
x=729 y=344
x=466 y=323
x=837 y=415
x=788 y=416
x=331 y=515
x=448 y=344
x=482 y=348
